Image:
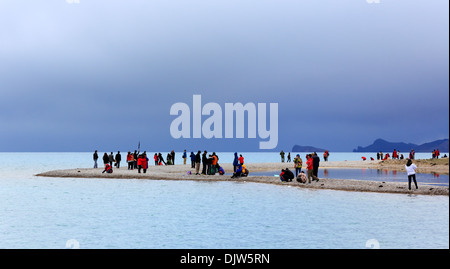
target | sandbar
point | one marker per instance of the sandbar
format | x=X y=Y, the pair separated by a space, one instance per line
x=181 y=172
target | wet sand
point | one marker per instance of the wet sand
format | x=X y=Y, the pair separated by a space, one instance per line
x=180 y=172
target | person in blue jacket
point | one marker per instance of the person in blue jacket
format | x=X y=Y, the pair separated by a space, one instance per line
x=235 y=161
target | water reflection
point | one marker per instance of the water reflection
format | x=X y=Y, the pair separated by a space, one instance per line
x=376 y=175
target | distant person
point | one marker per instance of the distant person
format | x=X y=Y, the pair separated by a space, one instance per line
x=214 y=163
x=135 y=158
x=235 y=162
x=111 y=159
x=118 y=159
x=289 y=157
x=169 y=159
x=204 y=162
x=172 y=156
x=286 y=175
x=242 y=171
x=316 y=161
x=161 y=159
x=130 y=161
x=156 y=158
x=220 y=170
x=142 y=163
x=208 y=164
x=309 y=168
x=108 y=168
x=282 y=156
x=184 y=157
x=241 y=159
x=95 y=157
x=105 y=159
x=411 y=171
x=298 y=162
x=197 y=163
x=192 y=159
x=325 y=155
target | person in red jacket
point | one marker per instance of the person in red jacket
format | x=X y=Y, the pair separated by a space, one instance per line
x=309 y=168
x=108 y=169
x=142 y=163
x=241 y=159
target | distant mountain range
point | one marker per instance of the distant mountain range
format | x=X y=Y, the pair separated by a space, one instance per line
x=297 y=148
x=385 y=146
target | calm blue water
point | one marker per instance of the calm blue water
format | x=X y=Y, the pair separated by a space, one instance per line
x=38 y=212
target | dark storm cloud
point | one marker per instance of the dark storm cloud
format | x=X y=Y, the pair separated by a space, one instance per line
x=105 y=73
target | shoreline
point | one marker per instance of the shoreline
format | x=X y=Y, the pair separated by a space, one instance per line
x=179 y=172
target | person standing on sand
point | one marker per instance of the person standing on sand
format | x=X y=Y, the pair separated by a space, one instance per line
x=411 y=171
x=298 y=162
x=118 y=159
x=325 y=155
x=192 y=159
x=289 y=157
x=316 y=161
x=282 y=156
x=309 y=168
x=197 y=163
x=184 y=157
x=95 y=157
x=105 y=159
x=204 y=162
x=130 y=161
x=111 y=158
x=172 y=155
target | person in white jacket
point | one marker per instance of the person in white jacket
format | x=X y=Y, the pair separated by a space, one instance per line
x=411 y=171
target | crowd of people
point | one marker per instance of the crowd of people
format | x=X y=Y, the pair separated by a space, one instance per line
x=139 y=161
x=395 y=155
x=312 y=169
x=208 y=164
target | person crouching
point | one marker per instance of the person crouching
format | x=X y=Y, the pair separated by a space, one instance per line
x=108 y=169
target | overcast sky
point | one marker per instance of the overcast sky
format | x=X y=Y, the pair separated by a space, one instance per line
x=104 y=74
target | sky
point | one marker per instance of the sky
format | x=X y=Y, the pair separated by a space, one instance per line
x=96 y=74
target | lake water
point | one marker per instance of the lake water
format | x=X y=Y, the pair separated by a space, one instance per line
x=37 y=212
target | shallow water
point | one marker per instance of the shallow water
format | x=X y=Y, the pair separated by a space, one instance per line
x=37 y=212
x=371 y=174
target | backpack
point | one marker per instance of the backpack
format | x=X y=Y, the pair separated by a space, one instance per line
x=301 y=178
